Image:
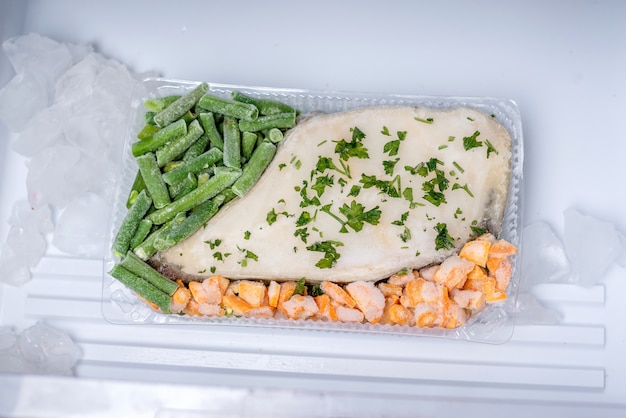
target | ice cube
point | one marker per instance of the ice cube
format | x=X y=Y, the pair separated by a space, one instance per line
x=79 y=51
x=42 y=131
x=23 y=215
x=85 y=133
x=49 y=174
x=13 y=269
x=77 y=82
x=48 y=350
x=27 y=243
x=42 y=57
x=21 y=99
x=82 y=227
x=543 y=256
x=592 y=246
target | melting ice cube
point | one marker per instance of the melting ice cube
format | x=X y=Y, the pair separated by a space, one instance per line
x=592 y=246
x=543 y=256
x=82 y=227
x=40 y=349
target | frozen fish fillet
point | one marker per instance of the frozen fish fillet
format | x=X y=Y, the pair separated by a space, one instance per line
x=359 y=195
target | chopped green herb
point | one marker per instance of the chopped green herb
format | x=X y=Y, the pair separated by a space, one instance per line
x=281 y=166
x=218 y=256
x=298 y=164
x=470 y=119
x=355 y=214
x=354 y=190
x=300 y=287
x=330 y=253
x=353 y=148
x=389 y=187
x=315 y=289
x=214 y=243
x=443 y=239
x=450 y=138
x=304 y=219
x=389 y=166
x=406 y=234
x=402 y=220
x=385 y=131
x=470 y=142
x=271 y=217
x=420 y=169
x=476 y=230
x=321 y=183
x=392 y=147
x=213 y=269
x=442 y=147
x=246 y=235
x=490 y=148
x=303 y=233
x=456 y=186
x=326 y=163
x=306 y=201
x=427 y=120
x=458 y=167
x=401 y=135
x=322 y=143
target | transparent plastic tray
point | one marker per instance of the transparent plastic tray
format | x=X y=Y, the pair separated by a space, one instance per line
x=492 y=325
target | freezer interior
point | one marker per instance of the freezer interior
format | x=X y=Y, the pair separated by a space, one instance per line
x=563 y=65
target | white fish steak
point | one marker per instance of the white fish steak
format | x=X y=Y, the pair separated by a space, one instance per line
x=359 y=195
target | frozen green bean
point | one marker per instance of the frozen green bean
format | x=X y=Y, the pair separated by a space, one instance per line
x=177 y=147
x=195 y=166
x=198 y=217
x=157 y=104
x=146 y=249
x=265 y=106
x=210 y=129
x=197 y=148
x=148 y=117
x=139 y=267
x=275 y=135
x=208 y=190
x=142 y=232
x=142 y=287
x=232 y=143
x=227 y=107
x=252 y=171
x=136 y=188
x=151 y=174
x=131 y=221
x=181 y=106
x=160 y=138
x=147 y=132
x=186 y=185
x=277 y=120
x=248 y=142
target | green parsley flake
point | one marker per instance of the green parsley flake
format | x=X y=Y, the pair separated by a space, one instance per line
x=470 y=142
x=443 y=239
x=329 y=248
x=427 y=120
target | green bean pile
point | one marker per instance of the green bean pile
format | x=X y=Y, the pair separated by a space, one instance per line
x=195 y=153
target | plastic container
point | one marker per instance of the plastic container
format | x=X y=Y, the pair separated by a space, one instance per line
x=493 y=325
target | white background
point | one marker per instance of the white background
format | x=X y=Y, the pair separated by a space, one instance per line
x=563 y=62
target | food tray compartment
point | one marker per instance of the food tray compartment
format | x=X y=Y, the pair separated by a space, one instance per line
x=492 y=325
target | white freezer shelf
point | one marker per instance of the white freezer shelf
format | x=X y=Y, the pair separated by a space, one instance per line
x=551 y=58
